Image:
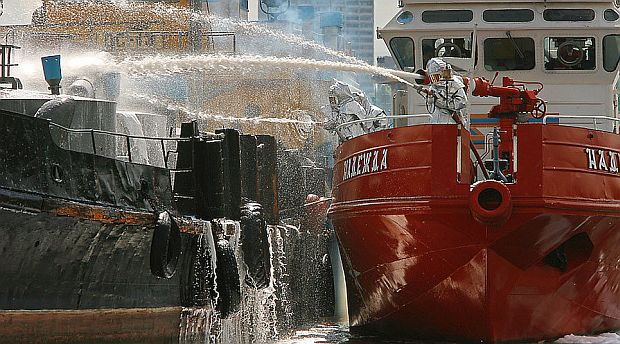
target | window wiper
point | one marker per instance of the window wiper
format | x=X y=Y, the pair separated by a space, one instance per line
x=514 y=45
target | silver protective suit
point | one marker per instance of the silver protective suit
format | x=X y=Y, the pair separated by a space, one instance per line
x=349 y=104
x=446 y=94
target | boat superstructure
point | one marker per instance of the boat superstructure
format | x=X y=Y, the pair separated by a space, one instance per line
x=441 y=245
x=559 y=43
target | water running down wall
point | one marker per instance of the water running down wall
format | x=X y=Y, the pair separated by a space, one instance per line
x=300 y=293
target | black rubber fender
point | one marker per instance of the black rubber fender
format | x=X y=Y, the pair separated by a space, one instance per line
x=165 y=247
x=255 y=246
x=227 y=279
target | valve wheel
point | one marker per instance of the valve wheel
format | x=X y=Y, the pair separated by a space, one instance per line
x=570 y=54
x=540 y=109
x=448 y=50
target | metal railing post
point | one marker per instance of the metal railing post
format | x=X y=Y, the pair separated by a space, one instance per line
x=128 y=148
x=92 y=137
x=164 y=155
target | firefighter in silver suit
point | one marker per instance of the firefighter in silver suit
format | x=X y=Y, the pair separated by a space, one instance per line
x=446 y=97
x=350 y=105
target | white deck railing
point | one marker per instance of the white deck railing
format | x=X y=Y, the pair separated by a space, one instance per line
x=593 y=118
x=340 y=126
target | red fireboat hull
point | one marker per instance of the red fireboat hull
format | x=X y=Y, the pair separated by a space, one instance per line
x=420 y=265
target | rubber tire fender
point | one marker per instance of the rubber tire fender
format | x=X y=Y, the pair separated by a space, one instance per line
x=255 y=246
x=165 y=247
x=227 y=279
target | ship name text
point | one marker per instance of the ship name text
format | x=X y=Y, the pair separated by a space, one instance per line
x=364 y=163
x=602 y=160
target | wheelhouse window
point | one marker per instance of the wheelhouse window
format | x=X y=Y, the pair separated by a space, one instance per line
x=569 y=15
x=570 y=53
x=405 y=18
x=446 y=47
x=512 y=53
x=611 y=52
x=447 y=16
x=403 y=50
x=508 y=16
x=611 y=15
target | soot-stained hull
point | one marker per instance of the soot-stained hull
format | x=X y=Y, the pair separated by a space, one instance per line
x=78 y=232
x=79 y=273
x=77 y=227
x=63 y=262
x=420 y=265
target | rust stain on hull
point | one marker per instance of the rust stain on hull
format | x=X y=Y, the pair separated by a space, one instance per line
x=191 y=226
x=105 y=215
x=144 y=325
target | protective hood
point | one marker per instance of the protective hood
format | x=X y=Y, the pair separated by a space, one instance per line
x=349 y=104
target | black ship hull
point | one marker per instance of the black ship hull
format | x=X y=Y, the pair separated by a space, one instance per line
x=63 y=262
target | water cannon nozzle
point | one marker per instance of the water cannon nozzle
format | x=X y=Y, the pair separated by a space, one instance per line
x=425 y=78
